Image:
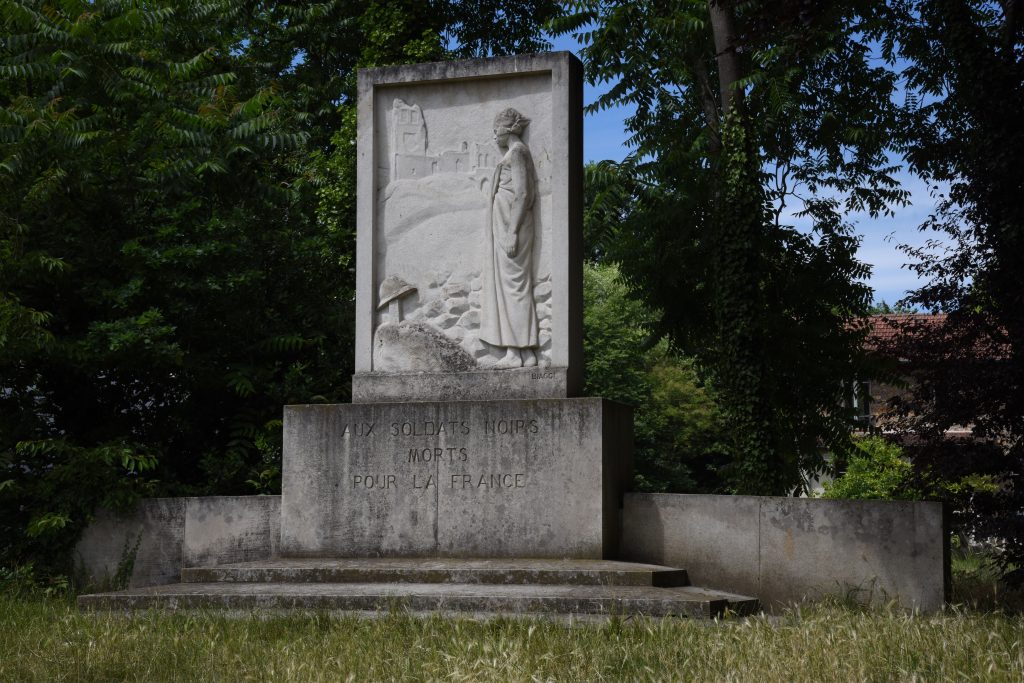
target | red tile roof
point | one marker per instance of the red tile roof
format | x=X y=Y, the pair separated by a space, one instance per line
x=885 y=326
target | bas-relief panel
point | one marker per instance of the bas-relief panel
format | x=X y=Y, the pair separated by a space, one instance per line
x=436 y=155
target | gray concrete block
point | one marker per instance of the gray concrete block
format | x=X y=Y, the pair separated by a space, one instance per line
x=164 y=534
x=452 y=479
x=153 y=533
x=788 y=549
x=714 y=538
x=871 y=551
x=226 y=529
x=480 y=385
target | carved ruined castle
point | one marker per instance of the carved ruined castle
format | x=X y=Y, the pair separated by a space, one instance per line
x=409 y=158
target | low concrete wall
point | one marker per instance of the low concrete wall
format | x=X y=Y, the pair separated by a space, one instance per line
x=166 y=534
x=783 y=550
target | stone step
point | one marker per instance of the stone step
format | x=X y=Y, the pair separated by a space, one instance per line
x=475 y=599
x=445 y=570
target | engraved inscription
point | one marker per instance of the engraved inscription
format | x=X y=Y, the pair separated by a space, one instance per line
x=373 y=481
x=358 y=429
x=497 y=480
x=426 y=460
x=429 y=428
x=418 y=484
x=451 y=454
x=513 y=427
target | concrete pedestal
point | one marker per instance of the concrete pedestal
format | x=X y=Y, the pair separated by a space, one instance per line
x=524 y=478
x=478 y=385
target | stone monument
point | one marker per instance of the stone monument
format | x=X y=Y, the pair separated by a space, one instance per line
x=465 y=437
x=467 y=474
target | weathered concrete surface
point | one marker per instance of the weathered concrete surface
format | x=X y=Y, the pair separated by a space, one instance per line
x=153 y=533
x=165 y=533
x=870 y=550
x=475 y=598
x=226 y=529
x=441 y=570
x=478 y=385
x=454 y=479
x=789 y=549
x=719 y=534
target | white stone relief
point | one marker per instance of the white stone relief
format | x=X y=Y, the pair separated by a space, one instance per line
x=508 y=314
x=451 y=303
x=410 y=160
x=436 y=210
x=392 y=291
x=401 y=345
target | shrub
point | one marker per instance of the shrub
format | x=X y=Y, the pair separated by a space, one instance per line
x=875 y=470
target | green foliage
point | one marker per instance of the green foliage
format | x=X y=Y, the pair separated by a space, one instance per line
x=480 y=28
x=879 y=468
x=694 y=215
x=22 y=582
x=163 y=277
x=883 y=308
x=681 y=435
x=875 y=469
x=978 y=584
x=678 y=428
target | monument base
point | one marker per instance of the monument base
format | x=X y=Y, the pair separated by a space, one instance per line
x=475 y=385
x=540 y=478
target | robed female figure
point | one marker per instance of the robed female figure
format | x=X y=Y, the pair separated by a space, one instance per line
x=508 y=316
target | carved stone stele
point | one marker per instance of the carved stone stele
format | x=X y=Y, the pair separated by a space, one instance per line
x=470 y=191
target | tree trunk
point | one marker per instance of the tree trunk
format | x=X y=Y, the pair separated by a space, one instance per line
x=723 y=30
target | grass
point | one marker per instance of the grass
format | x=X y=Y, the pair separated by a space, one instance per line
x=976 y=585
x=47 y=639
x=43 y=637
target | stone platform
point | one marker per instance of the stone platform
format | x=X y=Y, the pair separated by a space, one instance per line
x=564 y=588
x=445 y=570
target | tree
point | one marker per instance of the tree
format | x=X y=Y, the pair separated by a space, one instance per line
x=743 y=109
x=964 y=73
x=679 y=434
x=883 y=308
x=153 y=218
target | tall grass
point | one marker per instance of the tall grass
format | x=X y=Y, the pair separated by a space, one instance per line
x=47 y=639
x=977 y=586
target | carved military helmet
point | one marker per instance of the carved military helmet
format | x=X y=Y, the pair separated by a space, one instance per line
x=393 y=288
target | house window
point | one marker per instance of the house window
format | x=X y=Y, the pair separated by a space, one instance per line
x=858 y=401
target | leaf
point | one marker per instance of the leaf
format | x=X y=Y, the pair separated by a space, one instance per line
x=47 y=524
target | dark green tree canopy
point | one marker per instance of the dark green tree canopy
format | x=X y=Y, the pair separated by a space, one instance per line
x=745 y=111
x=962 y=126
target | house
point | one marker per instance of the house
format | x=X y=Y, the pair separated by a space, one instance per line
x=872 y=398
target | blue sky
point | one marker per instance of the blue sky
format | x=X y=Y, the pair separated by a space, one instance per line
x=604 y=137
